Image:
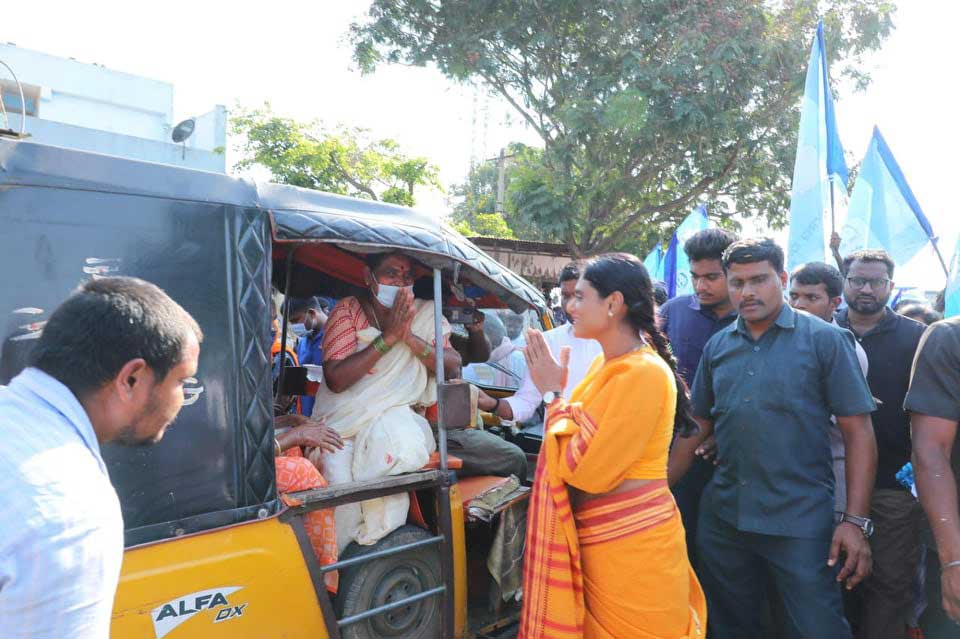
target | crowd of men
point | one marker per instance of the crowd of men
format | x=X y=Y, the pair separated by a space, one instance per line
x=796 y=520
x=796 y=517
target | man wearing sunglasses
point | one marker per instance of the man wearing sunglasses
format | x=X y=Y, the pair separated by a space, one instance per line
x=890 y=341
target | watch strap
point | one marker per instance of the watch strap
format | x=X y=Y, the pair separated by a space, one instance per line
x=863 y=523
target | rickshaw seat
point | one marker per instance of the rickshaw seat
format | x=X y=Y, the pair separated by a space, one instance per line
x=415 y=514
x=453 y=463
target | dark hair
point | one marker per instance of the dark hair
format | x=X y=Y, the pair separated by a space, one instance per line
x=304 y=304
x=374 y=260
x=920 y=312
x=869 y=255
x=660 y=294
x=708 y=244
x=625 y=273
x=813 y=273
x=570 y=272
x=753 y=250
x=106 y=323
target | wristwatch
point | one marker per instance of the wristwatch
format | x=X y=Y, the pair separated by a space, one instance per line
x=550 y=396
x=865 y=524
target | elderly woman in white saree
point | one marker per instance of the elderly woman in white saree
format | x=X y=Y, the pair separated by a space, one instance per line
x=379 y=358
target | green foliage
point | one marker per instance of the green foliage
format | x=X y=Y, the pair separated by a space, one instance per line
x=645 y=107
x=343 y=161
x=477 y=197
x=486 y=225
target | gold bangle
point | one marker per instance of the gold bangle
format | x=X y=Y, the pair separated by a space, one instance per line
x=276 y=442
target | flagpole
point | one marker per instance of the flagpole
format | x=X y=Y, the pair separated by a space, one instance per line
x=833 y=215
x=943 y=263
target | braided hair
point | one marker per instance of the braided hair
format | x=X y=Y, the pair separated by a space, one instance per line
x=625 y=273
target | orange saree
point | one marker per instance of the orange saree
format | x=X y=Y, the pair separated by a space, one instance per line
x=616 y=567
x=295 y=472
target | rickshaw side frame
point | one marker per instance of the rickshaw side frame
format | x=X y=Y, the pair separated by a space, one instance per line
x=438 y=480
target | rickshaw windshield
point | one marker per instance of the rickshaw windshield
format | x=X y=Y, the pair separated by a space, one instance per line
x=506 y=331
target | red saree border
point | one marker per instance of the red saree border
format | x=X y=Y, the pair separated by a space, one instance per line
x=623 y=514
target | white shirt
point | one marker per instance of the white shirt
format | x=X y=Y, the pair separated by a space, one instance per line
x=527 y=399
x=61 y=532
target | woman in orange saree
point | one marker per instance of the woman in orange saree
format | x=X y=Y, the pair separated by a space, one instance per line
x=605 y=554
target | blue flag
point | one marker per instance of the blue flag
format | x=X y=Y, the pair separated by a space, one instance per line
x=676 y=266
x=654 y=263
x=883 y=211
x=819 y=171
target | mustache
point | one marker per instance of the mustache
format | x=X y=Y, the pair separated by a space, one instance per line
x=750 y=303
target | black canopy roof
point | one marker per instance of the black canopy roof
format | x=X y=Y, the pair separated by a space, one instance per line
x=298 y=215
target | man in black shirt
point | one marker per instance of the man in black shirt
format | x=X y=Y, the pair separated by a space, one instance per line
x=890 y=341
x=934 y=405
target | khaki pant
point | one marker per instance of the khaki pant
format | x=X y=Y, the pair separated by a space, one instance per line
x=887 y=594
x=484 y=453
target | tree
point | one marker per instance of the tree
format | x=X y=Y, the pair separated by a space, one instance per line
x=343 y=161
x=476 y=206
x=485 y=225
x=644 y=107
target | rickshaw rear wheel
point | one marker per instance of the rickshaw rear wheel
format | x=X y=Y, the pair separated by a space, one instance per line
x=383 y=581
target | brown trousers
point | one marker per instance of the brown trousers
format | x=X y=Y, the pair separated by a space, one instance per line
x=887 y=594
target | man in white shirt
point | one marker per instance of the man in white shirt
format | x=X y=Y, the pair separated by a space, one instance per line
x=522 y=406
x=816 y=288
x=110 y=366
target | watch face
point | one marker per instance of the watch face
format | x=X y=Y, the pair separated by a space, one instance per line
x=868 y=528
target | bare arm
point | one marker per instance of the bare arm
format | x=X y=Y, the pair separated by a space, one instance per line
x=425 y=353
x=308 y=433
x=340 y=374
x=477 y=342
x=861 y=463
x=933 y=439
x=835 y=250
x=685 y=450
x=488 y=403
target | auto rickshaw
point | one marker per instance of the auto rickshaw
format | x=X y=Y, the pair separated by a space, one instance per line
x=211 y=550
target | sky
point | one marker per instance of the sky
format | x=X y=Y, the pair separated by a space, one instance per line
x=296 y=56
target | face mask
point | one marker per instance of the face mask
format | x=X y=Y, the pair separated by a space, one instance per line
x=387 y=294
x=299 y=329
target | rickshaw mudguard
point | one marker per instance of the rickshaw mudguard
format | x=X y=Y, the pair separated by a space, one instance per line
x=248 y=580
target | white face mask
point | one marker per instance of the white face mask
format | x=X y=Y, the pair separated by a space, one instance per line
x=387 y=294
x=298 y=329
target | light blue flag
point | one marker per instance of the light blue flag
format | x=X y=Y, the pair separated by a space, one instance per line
x=883 y=211
x=819 y=171
x=951 y=297
x=676 y=266
x=654 y=263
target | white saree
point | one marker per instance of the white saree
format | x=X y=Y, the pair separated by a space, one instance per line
x=382 y=434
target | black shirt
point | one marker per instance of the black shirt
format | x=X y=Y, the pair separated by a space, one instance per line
x=935 y=384
x=890 y=347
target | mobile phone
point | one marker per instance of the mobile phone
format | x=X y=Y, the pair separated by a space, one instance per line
x=461 y=315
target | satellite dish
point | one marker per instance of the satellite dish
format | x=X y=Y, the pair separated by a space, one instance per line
x=184 y=130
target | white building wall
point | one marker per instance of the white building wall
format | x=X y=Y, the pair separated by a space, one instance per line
x=92 y=108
